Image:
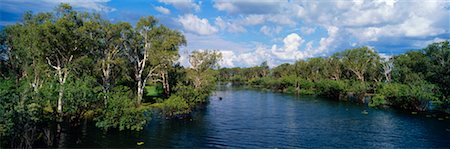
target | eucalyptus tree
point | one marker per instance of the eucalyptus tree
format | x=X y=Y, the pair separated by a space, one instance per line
x=387 y=66
x=164 y=54
x=359 y=61
x=63 y=38
x=104 y=39
x=438 y=65
x=315 y=68
x=334 y=67
x=24 y=49
x=146 y=39
x=201 y=61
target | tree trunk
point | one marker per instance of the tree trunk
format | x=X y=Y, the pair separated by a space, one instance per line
x=166 y=85
x=140 y=92
x=61 y=94
x=106 y=83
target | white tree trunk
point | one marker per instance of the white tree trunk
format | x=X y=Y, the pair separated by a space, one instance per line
x=140 y=92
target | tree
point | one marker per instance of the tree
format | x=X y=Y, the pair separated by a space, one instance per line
x=147 y=38
x=165 y=54
x=201 y=61
x=334 y=67
x=106 y=43
x=359 y=60
x=63 y=44
x=438 y=65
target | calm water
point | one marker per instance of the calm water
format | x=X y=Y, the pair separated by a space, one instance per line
x=255 y=119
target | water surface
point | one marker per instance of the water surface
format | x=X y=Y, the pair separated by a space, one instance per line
x=255 y=119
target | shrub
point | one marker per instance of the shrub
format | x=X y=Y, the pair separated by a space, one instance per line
x=174 y=106
x=331 y=88
x=121 y=112
x=377 y=100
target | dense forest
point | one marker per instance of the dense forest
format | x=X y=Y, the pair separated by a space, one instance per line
x=417 y=80
x=65 y=66
x=69 y=66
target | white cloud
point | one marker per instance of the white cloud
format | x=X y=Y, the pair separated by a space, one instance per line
x=281 y=19
x=228 y=58
x=183 y=5
x=388 y=24
x=162 y=10
x=307 y=30
x=253 y=20
x=369 y=21
x=269 y=31
x=192 y=23
x=326 y=43
x=225 y=6
x=229 y=26
x=248 y=6
x=290 y=51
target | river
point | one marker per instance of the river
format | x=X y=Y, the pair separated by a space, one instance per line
x=259 y=119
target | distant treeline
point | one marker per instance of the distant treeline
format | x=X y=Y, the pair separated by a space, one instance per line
x=413 y=80
x=68 y=66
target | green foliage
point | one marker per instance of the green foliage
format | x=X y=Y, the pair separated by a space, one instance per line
x=359 y=61
x=80 y=96
x=70 y=65
x=154 y=90
x=8 y=98
x=331 y=88
x=378 y=100
x=192 y=95
x=174 y=106
x=121 y=112
x=413 y=97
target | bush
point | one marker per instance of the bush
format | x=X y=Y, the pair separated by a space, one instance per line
x=377 y=100
x=413 y=96
x=79 y=96
x=174 y=106
x=331 y=88
x=121 y=112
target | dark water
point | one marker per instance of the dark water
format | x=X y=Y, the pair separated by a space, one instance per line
x=257 y=119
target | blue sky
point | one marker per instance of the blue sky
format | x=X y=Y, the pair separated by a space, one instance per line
x=248 y=32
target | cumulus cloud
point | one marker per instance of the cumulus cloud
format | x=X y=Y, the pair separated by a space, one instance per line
x=386 y=24
x=183 y=5
x=192 y=23
x=162 y=10
x=290 y=51
x=369 y=21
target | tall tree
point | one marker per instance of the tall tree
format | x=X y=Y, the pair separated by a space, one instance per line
x=62 y=36
x=359 y=61
x=201 y=61
x=145 y=40
x=107 y=48
x=164 y=54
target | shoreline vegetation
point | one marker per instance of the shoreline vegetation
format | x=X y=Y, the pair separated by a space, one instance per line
x=415 y=81
x=68 y=66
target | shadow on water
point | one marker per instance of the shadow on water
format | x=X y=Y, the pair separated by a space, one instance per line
x=250 y=118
